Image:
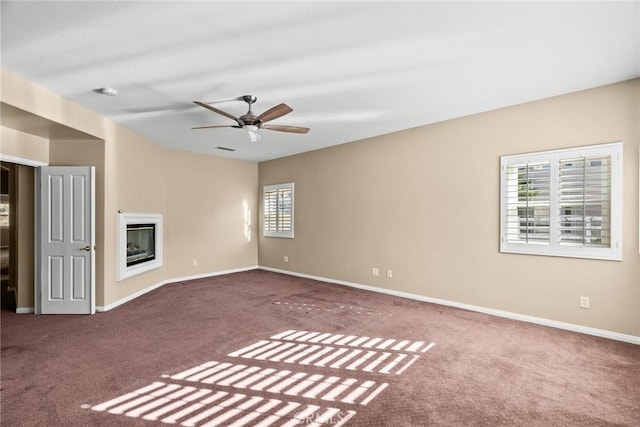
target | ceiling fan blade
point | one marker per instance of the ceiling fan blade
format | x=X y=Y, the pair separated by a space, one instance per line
x=280 y=128
x=209 y=127
x=274 y=112
x=215 y=110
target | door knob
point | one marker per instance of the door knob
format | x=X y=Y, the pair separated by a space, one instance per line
x=86 y=248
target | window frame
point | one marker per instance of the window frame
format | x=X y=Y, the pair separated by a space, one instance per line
x=554 y=246
x=288 y=234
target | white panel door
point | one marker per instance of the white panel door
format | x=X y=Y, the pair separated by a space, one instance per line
x=65 y=280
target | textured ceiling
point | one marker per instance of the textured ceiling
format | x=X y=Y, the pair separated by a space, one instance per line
x=349 y=70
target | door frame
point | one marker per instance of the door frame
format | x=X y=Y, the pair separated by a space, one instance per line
x=16 y=160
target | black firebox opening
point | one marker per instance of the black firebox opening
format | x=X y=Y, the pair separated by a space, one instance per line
x=141 y=243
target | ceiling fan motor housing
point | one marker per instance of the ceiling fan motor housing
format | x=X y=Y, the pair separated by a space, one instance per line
x=249 y=119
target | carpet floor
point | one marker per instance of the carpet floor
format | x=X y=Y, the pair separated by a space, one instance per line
x=264 y=349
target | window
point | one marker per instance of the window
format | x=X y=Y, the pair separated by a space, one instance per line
x=278 y=210
x=563 y=202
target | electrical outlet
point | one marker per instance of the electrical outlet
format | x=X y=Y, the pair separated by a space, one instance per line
x=389 y=274
x=374 y=271
x=194 y=262
x=585 y=302
x=286 y=258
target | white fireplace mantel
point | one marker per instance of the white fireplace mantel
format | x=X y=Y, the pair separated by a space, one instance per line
x=125 y=219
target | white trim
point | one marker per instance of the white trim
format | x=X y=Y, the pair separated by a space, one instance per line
x=632 y=339
x=25 y=310
x=22 y=161
x=92 y=226
x=165 y=282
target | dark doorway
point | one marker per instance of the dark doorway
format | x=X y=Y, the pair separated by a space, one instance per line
x=7 y=233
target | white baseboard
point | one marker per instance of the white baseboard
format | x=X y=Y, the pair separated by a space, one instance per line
x=25 y=310
x=165 y=282
x=632 y=339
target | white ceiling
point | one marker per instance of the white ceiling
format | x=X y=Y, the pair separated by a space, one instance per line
x=349 y=70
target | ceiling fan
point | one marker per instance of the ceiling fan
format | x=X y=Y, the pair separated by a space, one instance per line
x=253 y=123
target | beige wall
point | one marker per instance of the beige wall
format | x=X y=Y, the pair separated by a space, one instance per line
x=425 y=203
x=23 y=145
x=197 y=196
x=137 y=169
x=137 y=175
x=211 y=209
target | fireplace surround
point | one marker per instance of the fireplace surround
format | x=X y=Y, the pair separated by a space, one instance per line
x=139 y=245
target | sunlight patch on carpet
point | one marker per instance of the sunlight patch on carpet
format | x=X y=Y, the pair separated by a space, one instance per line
x=349 y=352
x=285 y=382
x=285 y=392
x=191 y=406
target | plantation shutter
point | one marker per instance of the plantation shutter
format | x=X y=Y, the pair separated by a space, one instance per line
x=278 y=210
x=270 y=210
x=585 y=201
x=285 y=223
x=528 y=202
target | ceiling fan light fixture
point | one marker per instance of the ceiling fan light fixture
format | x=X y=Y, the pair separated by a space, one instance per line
x=254 y=135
